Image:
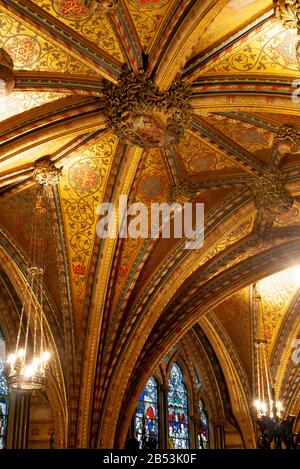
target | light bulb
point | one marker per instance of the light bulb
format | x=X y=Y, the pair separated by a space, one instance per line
x=45 y=356
x=29 y=371
x=35 y=362
x=11 y=359
x=257 y=404
x=279 y=406
x=21 y=353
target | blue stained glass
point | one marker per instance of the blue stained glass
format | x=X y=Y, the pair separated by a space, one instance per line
x=3 y=400
x=177 y=410
x=203 y=431
x=146 y=417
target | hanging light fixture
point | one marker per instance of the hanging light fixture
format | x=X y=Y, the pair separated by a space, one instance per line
x=7 y=80
x=264 y=403
x=27 y=365
x=273 y=427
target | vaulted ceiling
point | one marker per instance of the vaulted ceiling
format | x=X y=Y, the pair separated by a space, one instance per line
x=117 y=305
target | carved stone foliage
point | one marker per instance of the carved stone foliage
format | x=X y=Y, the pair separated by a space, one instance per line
x=270 y=200
x=287 y=132
x=103 y=5
x=286 y=141
x=288 y=11
x=186 y=190
x=45 y=173
x=141 y=115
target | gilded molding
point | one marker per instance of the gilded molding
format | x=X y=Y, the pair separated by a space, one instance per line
x=141 y=115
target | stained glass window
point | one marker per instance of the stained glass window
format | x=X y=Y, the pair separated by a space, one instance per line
x=177 y=410
x=146 y=417
x=3 y=396
x=203 y=431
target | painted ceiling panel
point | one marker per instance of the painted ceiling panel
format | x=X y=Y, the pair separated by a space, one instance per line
x=199 y=157
x=90 y=22
x=17 y=217
x=147 y=16
x=164 y=247
x=252 y=138
x=81 y=189
x=231 y=17
x=30 y=49
x=18 y=101
x=234 y=314
x=270 y=50
x=24 y=159
x=152 y=185
x=277 y=293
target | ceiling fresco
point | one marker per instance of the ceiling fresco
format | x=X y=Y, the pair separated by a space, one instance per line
x=81 y=189
x=26 y=159
x=198 y=157
x=253 y=138
x=20 y=223
x=31 y=49
x=18 y=102
x=87 y=21
x=270 y=51
x=230 y=20
x=148 y=16
x=235 y=316
x=126 y=302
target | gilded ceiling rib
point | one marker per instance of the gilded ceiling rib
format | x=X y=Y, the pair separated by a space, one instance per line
x=126 y=35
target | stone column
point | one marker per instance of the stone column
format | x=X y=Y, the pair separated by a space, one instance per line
x=18 y=419
x=164 y=416
x=219 y=433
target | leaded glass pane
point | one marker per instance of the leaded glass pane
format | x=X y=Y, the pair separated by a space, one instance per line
x=146 y=417
x=177 y=410
x=3 y=397
x=203 y=432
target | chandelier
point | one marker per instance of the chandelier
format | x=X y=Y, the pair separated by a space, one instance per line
x=27 y=365
x=274 y=428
